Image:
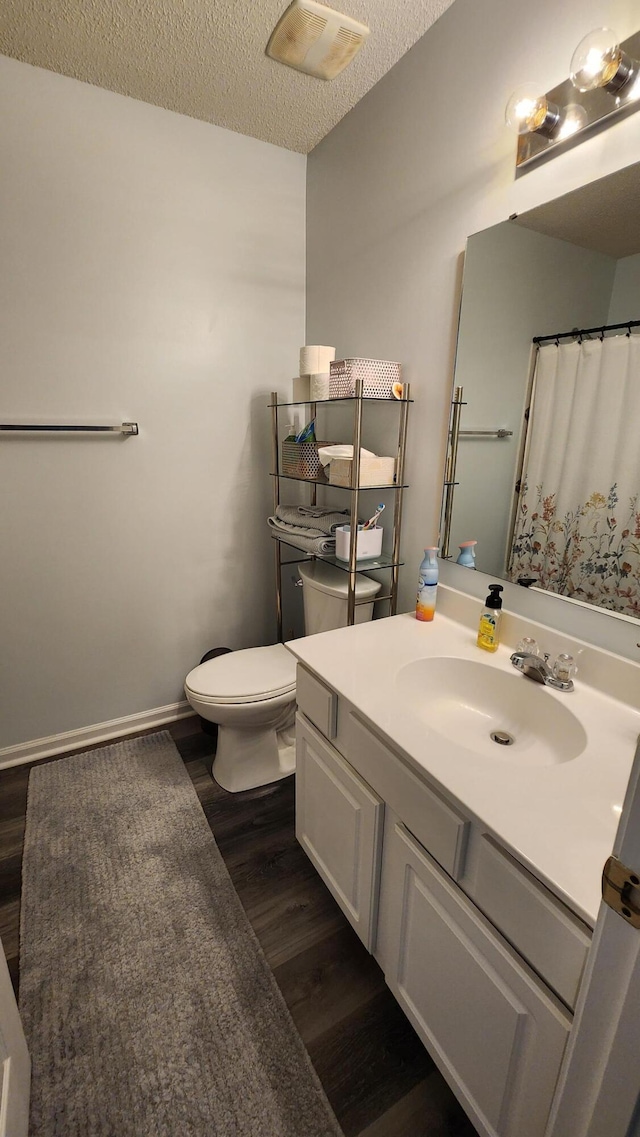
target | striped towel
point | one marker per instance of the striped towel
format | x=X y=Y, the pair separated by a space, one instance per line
x=301 y=537
x=313 y=517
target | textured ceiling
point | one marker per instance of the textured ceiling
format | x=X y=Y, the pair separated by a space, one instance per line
x=603 y=215
x=206 y=58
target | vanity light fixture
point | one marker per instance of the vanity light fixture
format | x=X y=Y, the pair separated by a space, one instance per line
x=574 y=118
x=604 y=85
x=600 y=61
x=528 y=110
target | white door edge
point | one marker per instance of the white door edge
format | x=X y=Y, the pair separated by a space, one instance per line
x=599 y=1085
x=16 y=1064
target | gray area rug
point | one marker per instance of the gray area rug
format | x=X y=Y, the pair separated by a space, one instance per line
x=147 y=1002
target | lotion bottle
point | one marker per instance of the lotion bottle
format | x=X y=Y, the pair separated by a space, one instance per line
x=489 y=627
x=427 y=585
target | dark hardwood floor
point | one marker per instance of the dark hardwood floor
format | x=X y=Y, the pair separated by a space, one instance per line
x=375 y=1071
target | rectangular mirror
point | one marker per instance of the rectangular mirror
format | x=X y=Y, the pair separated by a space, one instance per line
x=547 y=478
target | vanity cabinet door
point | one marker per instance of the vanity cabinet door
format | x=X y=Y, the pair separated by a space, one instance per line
x=494 y=1031
x=339 y=825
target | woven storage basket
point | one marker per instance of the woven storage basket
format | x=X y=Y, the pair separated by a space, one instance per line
x=300 y=460
x=378 y=377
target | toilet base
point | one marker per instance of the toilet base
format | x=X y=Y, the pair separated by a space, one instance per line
x=246 y=759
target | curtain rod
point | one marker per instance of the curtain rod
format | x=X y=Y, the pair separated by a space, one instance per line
x=576 y=333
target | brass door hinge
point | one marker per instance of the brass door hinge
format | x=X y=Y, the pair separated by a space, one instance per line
x=621 y=890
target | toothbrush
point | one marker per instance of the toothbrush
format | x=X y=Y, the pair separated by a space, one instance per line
x=371 y=523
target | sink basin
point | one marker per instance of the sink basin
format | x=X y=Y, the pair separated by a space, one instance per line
x=490 y=712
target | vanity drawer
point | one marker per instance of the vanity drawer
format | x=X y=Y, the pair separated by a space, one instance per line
x=538 y=925
x=317 y=701
x=435 y=823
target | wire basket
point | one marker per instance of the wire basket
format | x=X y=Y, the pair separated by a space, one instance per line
x=378 y=376
x=300 y=460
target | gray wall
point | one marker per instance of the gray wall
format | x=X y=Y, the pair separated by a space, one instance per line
x=395 y=189
x=625 y=298
x=152 y=269
x=517 y=284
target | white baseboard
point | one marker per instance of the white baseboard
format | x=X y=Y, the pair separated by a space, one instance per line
x=88 y=735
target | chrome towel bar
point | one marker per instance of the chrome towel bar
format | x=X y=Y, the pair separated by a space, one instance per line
x=126 y=428
x=502 y=432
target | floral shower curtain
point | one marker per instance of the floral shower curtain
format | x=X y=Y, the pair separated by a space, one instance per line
x=577 y=529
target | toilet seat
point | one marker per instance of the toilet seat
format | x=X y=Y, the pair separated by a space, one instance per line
x=253 y=675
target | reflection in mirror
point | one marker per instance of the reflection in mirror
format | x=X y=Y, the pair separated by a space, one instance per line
x=548 y=460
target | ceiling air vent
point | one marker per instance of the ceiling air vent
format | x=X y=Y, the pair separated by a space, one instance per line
x=315 y=39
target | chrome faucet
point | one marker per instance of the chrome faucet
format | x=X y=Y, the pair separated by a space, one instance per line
x=536 y=667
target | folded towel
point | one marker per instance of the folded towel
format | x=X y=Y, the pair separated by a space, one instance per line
x=295 y=530
x=310 y=540
x=313 y=517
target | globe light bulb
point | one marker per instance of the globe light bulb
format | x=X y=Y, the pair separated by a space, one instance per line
x=528 y=111
x=574 y=118
x=599 y=61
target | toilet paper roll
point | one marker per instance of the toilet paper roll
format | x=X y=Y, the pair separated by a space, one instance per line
x=319 y=386
x=301 y=389
x=315 y=359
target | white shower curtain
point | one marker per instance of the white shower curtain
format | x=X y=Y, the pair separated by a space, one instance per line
x=577 y=529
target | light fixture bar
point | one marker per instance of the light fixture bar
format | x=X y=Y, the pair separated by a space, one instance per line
x=598 y=109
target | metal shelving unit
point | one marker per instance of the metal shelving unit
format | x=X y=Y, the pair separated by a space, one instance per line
x=391 y=562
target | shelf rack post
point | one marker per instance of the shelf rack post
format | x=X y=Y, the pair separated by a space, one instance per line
x=397 y=509
x=276 y=501
x=355 y=500
x=313 y=487
x=457 y=403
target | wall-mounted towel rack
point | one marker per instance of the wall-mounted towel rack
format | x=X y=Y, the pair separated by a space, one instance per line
x=500 y=433
x=127 y=428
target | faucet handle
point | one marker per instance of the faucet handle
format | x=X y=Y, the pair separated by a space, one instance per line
x=528 y=645
x=564 y=667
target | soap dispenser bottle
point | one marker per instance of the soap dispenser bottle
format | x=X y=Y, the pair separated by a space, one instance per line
x=427 y=585
x=489 y=628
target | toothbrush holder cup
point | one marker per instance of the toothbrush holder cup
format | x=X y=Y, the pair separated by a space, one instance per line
x=368 y=542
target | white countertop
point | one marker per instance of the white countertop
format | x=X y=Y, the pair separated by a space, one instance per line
x=561 y=819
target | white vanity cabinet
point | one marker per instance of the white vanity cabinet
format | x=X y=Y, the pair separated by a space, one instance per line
x=339 y=823
x=496 y=1034
x=474 y=948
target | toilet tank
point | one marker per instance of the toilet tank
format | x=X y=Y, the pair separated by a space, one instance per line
x=324 y=593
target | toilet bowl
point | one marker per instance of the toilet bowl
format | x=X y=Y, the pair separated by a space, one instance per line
x=251 y=694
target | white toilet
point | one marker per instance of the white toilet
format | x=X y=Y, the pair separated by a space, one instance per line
x=251 y=694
